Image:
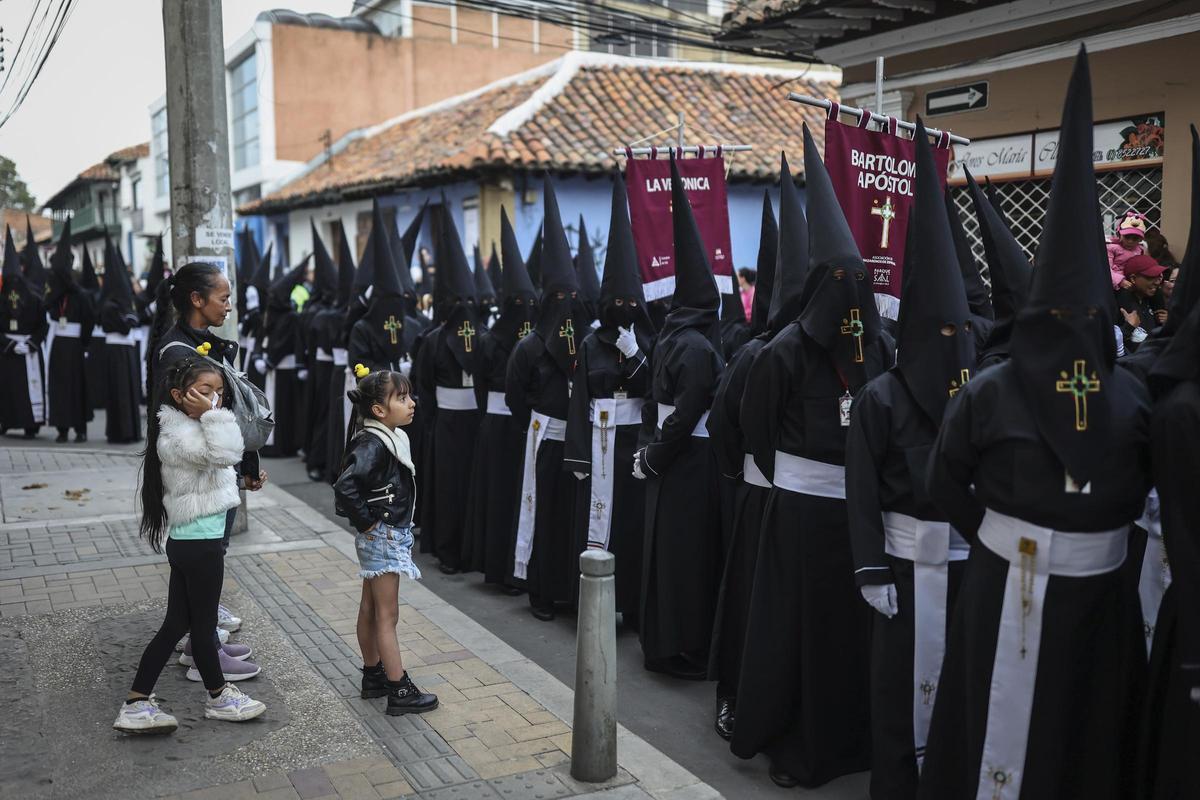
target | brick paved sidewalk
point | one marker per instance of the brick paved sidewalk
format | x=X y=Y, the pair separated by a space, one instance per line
x=80 y=595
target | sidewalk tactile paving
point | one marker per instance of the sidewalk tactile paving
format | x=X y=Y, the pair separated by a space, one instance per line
x=539 y=785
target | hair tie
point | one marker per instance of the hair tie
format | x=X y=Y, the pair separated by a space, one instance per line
x=360 y=371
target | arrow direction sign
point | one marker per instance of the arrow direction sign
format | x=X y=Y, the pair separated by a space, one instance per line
x=956 y=99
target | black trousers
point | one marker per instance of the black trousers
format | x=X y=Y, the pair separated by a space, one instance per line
x=197 y=570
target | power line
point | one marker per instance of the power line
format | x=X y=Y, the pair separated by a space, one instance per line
x=62 y=15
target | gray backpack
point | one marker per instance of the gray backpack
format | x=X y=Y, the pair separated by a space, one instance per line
x=249 y=404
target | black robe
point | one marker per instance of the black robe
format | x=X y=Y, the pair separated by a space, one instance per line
x=285 y=391
x=67 y=367
x=602 y=372
x=95 y=361
x=123 y=376
x=534 y=382
x=682 y=562
x=319 y=339
x=336 y=403
x=495 y=486
x=887 y=454
x=743 y=518
x=802 y=692
x=23 y=409
x=1081 y=735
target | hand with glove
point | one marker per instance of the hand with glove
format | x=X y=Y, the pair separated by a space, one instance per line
x=627 y=342
x=638 y=458
x=21 y=348
x=881 y=597
x=406 y=367
x=260 y=365
x=302 y=374
x=579 y=476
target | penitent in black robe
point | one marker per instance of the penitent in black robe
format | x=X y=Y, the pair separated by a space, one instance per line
x=22 y=321
x=610 y=504
x=802 y=692
x=682 y=561
x=284 y=389
x=319 y=338
x=887 y=454
x=123 y=375
x=72 y=318
x=1091 y=655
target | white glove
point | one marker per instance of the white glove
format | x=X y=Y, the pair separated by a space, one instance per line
x=579 y=476
x=406 y=367
x=627 y=342
x=302 y=374
x=21 y=348
x=882 y=598
x=260 y=366
x=638 y=472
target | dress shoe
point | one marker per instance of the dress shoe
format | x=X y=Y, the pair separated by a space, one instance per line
x=783 y=779
x=61 y=438
x=315 y=475
x=31 y=433
x=448 y=569
x=511 y=591
x=724 y=722
x=80 y=437
x=545 y=614
x=678 y=667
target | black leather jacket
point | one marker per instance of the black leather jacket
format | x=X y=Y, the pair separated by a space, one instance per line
x=373 y=486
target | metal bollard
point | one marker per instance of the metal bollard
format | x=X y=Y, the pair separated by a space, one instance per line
x=594 y=739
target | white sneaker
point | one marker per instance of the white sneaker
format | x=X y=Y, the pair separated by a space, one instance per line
x=231 y=669
x=232 y=705
x=222 y=634
x=227 y=620
x=144 y=716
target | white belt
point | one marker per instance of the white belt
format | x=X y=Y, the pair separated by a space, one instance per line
x=497 y=404
x=752 y=475
x=701 y=428
x=341 y=357
x=450 y=399
x=805 y=476
x=288 y=362
x=1034 y=554
x=930 y=546
x=120 y=338
x=33 y=379
x=541 y=427
x=625 y=412
x=324 y=355
x=71 y=330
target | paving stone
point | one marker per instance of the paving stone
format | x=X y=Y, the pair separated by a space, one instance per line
x=538 y=785
x=311 y=783
x=476 y=790
x=438 y=772
x=275 y=780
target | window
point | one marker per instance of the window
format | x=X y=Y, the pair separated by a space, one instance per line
x=162 y=176
x=135 y=186
x=618 y=34
x=243 y=89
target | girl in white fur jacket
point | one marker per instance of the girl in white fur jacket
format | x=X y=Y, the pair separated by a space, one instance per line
x=188 y=483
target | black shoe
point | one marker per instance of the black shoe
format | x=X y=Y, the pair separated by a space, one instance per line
x=448 y=569
x=677 y=667
x=374 y=681
x=724 y=722
x=405 y=698
x=783 y=779
x=31 y=433
x=61 y=438
x=544 y=613
x=511 y=591
x=315 y=475
x=80 y=437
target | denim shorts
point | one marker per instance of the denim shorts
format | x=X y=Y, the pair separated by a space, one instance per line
x=385 y=549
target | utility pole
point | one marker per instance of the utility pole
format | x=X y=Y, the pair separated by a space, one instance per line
x=198 y=140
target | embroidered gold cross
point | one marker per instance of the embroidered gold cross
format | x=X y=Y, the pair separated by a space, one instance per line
x=391 y=326
x=963 y=377
x=466 y=332
x=1079 y=386
x=567 y=331
x=854 y=327
x=14 y=299
x=525 y=329
x=928 y=687
x=888 y=213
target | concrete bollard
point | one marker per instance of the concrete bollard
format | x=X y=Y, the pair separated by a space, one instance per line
x=594 y=738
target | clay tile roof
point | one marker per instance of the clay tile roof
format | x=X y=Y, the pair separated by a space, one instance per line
x=566 y=116
x=132 y=153
x=99 y=172
x=15 y=219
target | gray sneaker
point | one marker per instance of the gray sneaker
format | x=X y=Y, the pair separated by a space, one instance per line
x=232 y=705
x=144 y=716
x=231 y=669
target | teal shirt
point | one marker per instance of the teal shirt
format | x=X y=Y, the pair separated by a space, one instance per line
x=210 y=526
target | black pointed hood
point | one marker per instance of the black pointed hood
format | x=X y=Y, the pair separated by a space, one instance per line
x=345 y=269
x=622 y=279
x=262 y=276
x=560 y=319
x=279 y=295
x=35 y=271
x=838 y=302
x=518 y=309
x=533 y=264
x=1062 y=343
x=88 y=280
x=978 y=299
x=378 y=259
x=993 y=197
x=516 y=279
x=495 y=277
x=402 y=245
x=484 y=290
x=158 y=270
x=11 y=275
x=386 y=315
x=935 y=347
x=764 y=282
x=20 y=304
x=60 y=279
x=455 y=278
x=696 y=301
x=248 y=264
x=585 y=267
x=791 y=262
x=117 y=285
x=1008 y=267
x=325 y=275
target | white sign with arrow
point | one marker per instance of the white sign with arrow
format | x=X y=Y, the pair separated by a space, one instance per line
x=956 y=99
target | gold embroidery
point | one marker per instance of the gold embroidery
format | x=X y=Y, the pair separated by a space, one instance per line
x=567 y=331
x=854 y=327
x=466 y=332
x=963 y=377
x=525 y=329
x=1028 y=550
x=392 y=325
x=888 y=213
x=1079 y=386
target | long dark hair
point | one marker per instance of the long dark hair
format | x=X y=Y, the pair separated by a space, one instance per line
x=173 y=301
x=180 y=375
x=378 y=387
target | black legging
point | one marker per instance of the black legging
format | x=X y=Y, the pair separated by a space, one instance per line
x=197 y=570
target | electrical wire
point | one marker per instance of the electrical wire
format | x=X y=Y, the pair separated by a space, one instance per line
x=62 y=16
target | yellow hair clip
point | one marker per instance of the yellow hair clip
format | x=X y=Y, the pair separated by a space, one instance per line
x=360 y=371
x=203 y=348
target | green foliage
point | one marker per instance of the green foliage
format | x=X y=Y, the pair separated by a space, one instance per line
x=13 y=191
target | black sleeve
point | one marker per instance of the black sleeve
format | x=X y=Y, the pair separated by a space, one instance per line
x=424 y=370
x=358 y=350
x=866 y=448
x=952 y=467
x=724 y=428
x=347 y=489
x=696 y=377
x=87 y=318
x=577 y=454
x=768 y=386
x=516 y=382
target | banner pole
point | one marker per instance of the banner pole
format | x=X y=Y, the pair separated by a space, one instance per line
x=879 y=85
x=689 y=149
x=679 y=139
x=821 y=102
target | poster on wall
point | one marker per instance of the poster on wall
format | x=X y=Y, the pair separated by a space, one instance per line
x=873 y=174
x=649 y=185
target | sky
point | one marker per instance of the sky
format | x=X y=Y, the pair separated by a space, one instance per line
x=93 y=93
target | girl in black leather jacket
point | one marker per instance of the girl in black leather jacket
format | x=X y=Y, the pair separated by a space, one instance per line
x=376 y=491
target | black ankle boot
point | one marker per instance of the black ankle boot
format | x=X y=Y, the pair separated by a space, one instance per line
x=405 y=698
x=62 y=436
x=725 y=716
x=374 y=681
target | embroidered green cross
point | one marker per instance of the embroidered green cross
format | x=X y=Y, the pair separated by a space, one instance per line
x=466 y=332
x=854 y=327
x=567 y=331
x=392 y=326
x=963 y=377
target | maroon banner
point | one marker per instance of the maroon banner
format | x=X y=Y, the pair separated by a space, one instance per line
x=649 y=185
x=873 y=176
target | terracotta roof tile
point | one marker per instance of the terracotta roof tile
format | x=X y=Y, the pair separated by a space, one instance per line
x=567 y=116
x=15 y=219
x=131 y=153
x=99 y=172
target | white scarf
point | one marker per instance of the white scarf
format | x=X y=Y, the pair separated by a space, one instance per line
x=395 y=440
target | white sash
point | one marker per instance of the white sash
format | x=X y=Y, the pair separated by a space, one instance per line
x=931 y=546
x=33 y=376
x=805 y=476
x=68 y=330
x=665 y=411
x=752 y=475
x=127 y=339
x=324 y=355
x=248 y=353
x=540 y=427
x=341 y=357
x=451 y=399
x=607 y=414
x=1034 y=554
x=497 y=404
x=287 y=362
x=1156 y=572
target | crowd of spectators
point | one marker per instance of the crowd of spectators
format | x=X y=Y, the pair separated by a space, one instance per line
x=1143 y=276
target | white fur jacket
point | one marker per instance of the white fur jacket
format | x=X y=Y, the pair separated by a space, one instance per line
x=197 y=458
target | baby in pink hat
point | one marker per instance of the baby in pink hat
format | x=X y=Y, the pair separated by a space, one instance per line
x=1128 y=243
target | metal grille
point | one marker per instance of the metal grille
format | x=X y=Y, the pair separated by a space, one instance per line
x=1024 y=204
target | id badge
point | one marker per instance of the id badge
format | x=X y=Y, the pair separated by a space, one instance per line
x=13 y=325
x=620 y=395
x=468 y=380
x=844 y=409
